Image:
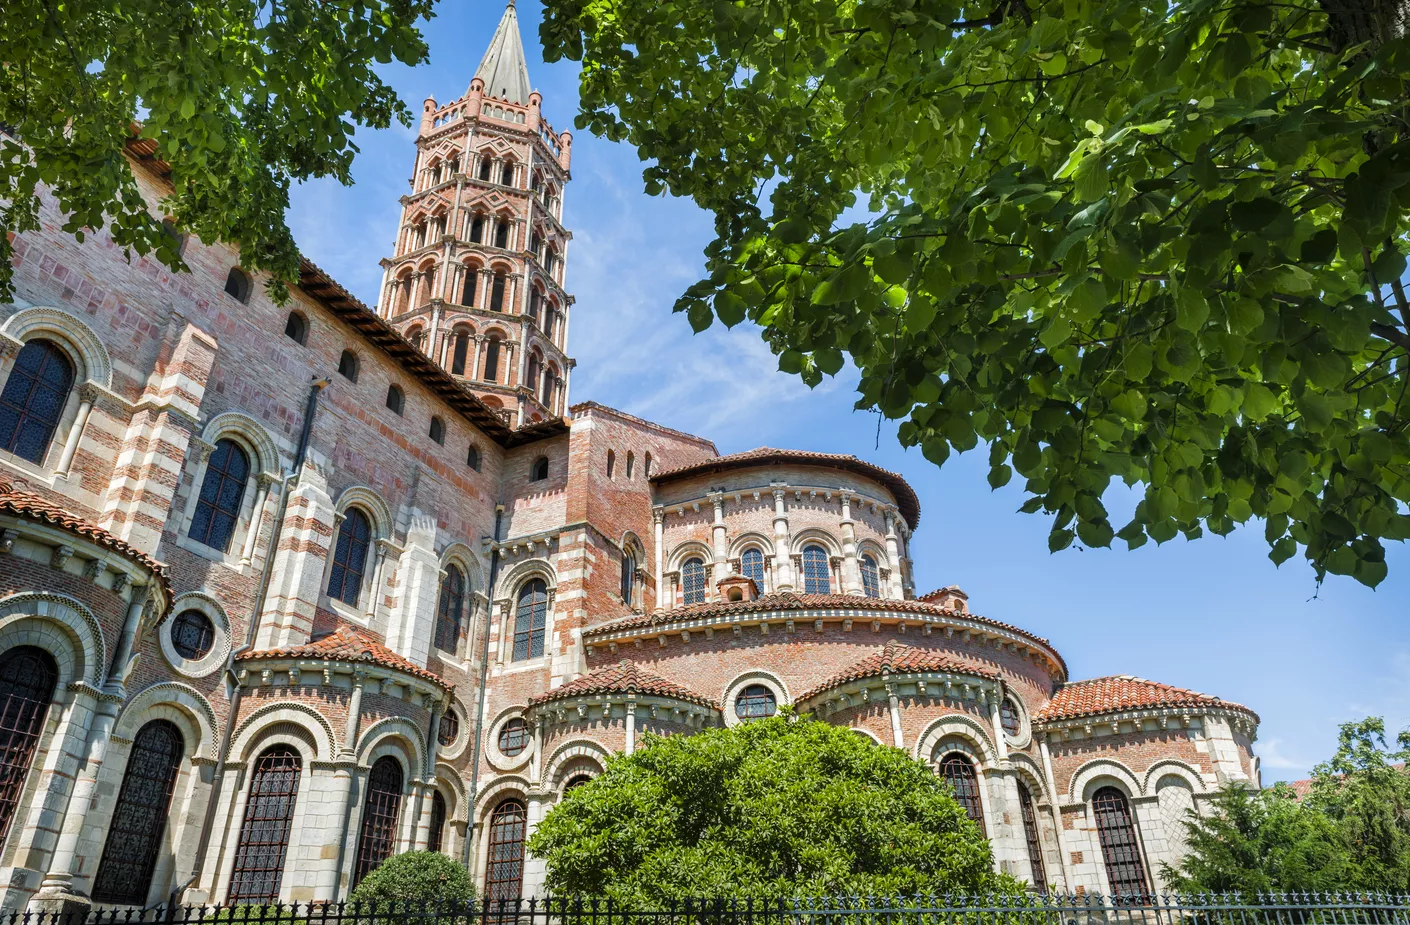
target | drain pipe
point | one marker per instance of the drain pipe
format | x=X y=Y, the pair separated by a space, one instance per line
x=484 y=688
x=291 y=482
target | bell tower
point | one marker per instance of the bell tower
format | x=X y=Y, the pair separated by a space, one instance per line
x=475 y=279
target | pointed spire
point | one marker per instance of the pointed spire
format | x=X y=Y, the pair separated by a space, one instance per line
x=503 y=69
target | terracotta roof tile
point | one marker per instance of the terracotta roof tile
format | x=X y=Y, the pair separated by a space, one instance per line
x=1119 y=693
x=899 y=658
x=348 y=644
x=623 y=677
x=33 y=507
x=906 y=498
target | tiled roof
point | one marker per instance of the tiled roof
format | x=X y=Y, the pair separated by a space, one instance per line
x=31 y=506
x=1120 y=693
x=790 y=601
x=623 y=677
x=348 y=644
x=899 y=658
x=906 y=498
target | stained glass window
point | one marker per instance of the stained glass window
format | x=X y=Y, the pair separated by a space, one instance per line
x=192 y=634
x=514 y=737
x=1039 y=877
x=504 y=870
x=1121 y=850
x=264 y=834
x=1008 y=717
x=139 y=818
x=449 y=729
x=751 y=563
x=379 y=817
x=350 y=557
x=871 y=577
x=530 y=620
x=755 y=702
x=451 y=609
x=816 y=574
x=438 y=822
x=33 y=399
x=959 y=773
x=693 y=580
x=222 y=491
x=27 y=679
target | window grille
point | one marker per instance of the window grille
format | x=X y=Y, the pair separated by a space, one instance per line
x=380 y=810
x=27 y=679
x=530 y=620
x=751 y=565
x=296 y=329
x=449 y=729
x=1008 y=717
x=222 y=493
x=871 y=577
x=264 y=834
x=33 y=399
x=1121 y=850
x=693 y=580
x=1039 y=877
x=958 y=772
x=451 y=610
x=350 y=557
x=139 y=819
x=192 y=634
x=438 y=821
x=755 y=702
x=513 y=737
x=504 y=870
x=816 y=571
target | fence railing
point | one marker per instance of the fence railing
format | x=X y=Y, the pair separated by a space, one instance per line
x=1026 y=909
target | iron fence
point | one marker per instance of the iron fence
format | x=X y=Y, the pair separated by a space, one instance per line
x=1027 y=909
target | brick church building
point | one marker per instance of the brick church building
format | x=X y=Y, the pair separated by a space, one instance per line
x=287 y=589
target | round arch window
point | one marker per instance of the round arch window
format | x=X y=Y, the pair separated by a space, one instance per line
x=755 y=702
x=1008 y=717
x=449 y=729
x=577 y=780
x=192 y=634
x=514 y=737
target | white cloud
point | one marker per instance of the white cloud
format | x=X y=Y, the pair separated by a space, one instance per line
x=1270 y=753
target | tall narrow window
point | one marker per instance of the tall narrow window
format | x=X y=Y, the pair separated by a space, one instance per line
x=549 y=313
x=504 y=870
x=472 y=457
x=871 y=577
x=959 y=773
x=477 y=233
x=438 y=822
x=350 y=557
x=139 y=818
x=438 y=430
x=467 y=292
x=1121 y=850
x=396 y=401
x=379 y=817
x=33 y=399
x=611 y=462
x=530 y=619
x=27 y=679
x=693 y=580
x=222 y=492
x=459 y=352
x=451 y=609
x=501 y=233
x=628 y=575
x=296 y=328
x=492 y=360
x=506 y=176
x=485 y=169
x=751 y=564
x=264 y=834
x=631 y=462
x=534 y=299
x=347 y=365
x=816 y=573
x=646 y=466
x=497 y=293
x=532 y=378
x=1038 y=876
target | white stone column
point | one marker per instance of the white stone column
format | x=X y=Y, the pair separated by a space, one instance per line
x=783 y=566
x=479 y=347
x=631 y=728
x=893 y=556
x=898 y=737
x=87 y=393
x=377 y=580
x=411 y=627
x=720 y=536
x=658 y=518
x=263 y=482
x=1055 y=808
x=851 y=570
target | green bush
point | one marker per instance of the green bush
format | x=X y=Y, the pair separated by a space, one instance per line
x=415 y=879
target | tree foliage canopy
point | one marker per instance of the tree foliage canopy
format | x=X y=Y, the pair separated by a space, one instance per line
x=1350 y=832
x=415 y=879
x=772 y=809
x=240 y=96
x=1158 y=243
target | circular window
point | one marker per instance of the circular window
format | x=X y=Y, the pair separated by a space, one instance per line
x=755 y=702
x=514 y=737
x=192 y=634
x=449 y=730
x=1008 y=717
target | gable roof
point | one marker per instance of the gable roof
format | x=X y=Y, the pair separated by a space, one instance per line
x=899 y=658
x=503 y=69
x=623 y=678
x=1121 y=693
x=348 y=644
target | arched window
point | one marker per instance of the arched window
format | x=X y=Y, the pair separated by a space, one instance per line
x=1121 y=849
x=492 y=360
x=347 y=365
x=501 y=233
x=477 y=235
x=27 y=679
x=379 y=817
x=504 y=871
x=539 y=472
x=751 y=564
x=532 y=378
x=611 y=463
x=395 y=399
x=33 y=399
x=959 y=773
x=222 y=493
x=264 y=834
x=506 y=176
x=646 y=466
x=418 y=339
x=467 y=292
x=871 y=577
x=449 y=729
x=192 y=634
x=1038 y=876
x=693 y=580
x=438 y=821
x=513 y=737
x=576 y=781
x=816 y=573
x=497 y=293
x=534 y=299
x=238 y=284
x=139 y=818
x=350 y=557
x=450 y=610
x=485 y=165
x=438 y=430
x=549 y=313
x=472 y=457
x=1008 y=717
x=296 y=328
x=628 y=575
x=631 y=462
x=550 y=378
x=460 y=351
x=530 y=620
x=755 y=702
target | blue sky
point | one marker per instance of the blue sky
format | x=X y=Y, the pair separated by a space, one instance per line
x=1214 y=615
